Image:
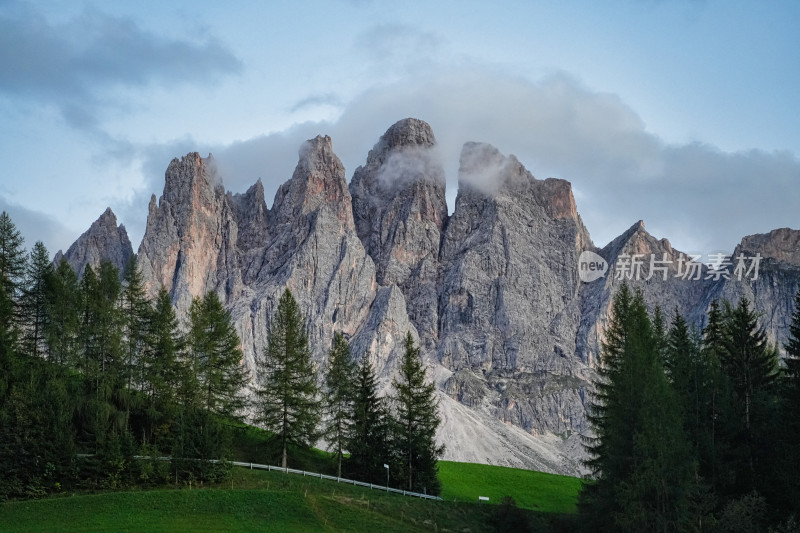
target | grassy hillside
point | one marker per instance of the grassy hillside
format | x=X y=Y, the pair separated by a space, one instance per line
x=531 y=490
x=275 y=501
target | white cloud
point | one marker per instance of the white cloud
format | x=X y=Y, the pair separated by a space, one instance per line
x=699 y=197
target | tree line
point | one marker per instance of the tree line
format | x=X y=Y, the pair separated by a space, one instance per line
x=693 y=430
x=94 y=373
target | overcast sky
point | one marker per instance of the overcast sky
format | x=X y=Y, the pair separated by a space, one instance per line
x=681 y=113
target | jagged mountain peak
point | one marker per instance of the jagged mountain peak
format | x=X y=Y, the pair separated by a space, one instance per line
x=486 y=173
x=782 y=244
x=318 y=182
x=103 y=240
x=399 y=208
x=408 y=132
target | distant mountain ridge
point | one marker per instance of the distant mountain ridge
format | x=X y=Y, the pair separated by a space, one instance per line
x=491 y=292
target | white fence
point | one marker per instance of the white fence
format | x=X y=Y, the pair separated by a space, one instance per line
x=256 y=466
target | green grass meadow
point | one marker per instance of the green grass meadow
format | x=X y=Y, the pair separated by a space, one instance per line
x=537 y=491
x=255 y=500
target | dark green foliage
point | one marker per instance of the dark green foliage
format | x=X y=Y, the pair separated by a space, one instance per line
x=340 y=392
x=639 y=455
x=751 y=367
x=788 y=449
x=369 y=444
x=63 y=318
x=286 y=390
x=415 y=422
x=12 y=257
x=38 y=277
x=37 y=450
x=135 y=313
x=162 y=374
x=711 y=449
x=215 y=358
x=692 y=380
x=211 y=389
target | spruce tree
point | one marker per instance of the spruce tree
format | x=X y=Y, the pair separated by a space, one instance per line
x=689 y=378
x=789 y=471
x=286 y=389
x=63 y=315
x=163 y=376
x=12 y=268
x=135 y=311
x=340 y=383
x=38 y=277
x=213 y=394
x=751 y=367
x=717 y=391
x=369 y=443
x=416 y=421
x=12 y=257
x=639 y=454
x=217 y=359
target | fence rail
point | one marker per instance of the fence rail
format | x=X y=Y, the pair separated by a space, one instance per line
x=304 y=473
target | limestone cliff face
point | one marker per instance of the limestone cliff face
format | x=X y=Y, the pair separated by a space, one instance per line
x=103 y=240
x=493 y=294
x=400 y=209
x=675 y=281
x=314 y=251
x=190 y=244
x=251 y=213
x=509 y=304
x=776 y=282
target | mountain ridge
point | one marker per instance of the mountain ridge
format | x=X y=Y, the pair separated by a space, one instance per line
x=491 y=292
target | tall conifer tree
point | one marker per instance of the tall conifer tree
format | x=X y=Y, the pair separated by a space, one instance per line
x=286 y=391
x=416 y=421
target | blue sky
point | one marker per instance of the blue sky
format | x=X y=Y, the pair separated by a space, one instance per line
x=681 y=113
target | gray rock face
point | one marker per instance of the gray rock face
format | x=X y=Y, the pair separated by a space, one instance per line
x=773 y=290
x=493 y=294
x=400 y=209
x=103 y=240
x=673 y=283
x=509 y=303
x=314 y=251
x=190 y=244
x=250 y=211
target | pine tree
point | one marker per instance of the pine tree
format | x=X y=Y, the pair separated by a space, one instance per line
x=8 y=342
x=286 y=391
x=340 y=382
x=639 y=455
x=689 y=378
x=213 y=393
x=789 y=468
x=751 y=367
x=163 y=350
x=216 y=356
x=135 y=314
x=416 y=421
x=712 y=348
x=38 y=277
x=369 y=443
x=160 y=365
x=12 y=268
x=63 y=316
x=12 y=257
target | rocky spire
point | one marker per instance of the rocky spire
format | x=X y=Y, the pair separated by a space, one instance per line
x=189 y=245
x=400 y=209
x=772 y=287
x=314 y=251
x=103 y=240
x=250 y=210
x=509 y=299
